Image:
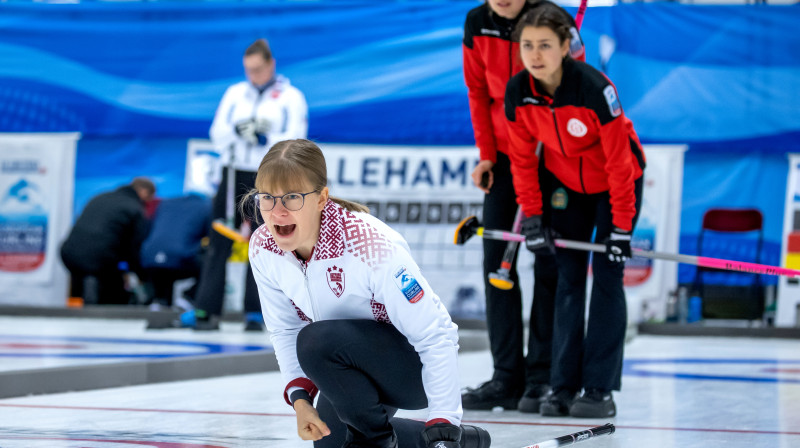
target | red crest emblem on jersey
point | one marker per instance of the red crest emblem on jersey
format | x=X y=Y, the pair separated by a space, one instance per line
x=336 y=280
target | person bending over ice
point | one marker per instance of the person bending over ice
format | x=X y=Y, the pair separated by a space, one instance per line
x=350 y=315
x=593 y=169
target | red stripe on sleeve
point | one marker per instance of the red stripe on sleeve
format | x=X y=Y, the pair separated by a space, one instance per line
x=304 y=383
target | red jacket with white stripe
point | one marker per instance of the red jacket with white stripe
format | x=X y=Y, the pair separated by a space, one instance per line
x=491 y=58
x=589 y=144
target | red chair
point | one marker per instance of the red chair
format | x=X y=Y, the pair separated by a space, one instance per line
x=735 y=302
x=734 y=220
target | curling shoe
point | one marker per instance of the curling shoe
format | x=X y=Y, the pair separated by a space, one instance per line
x=533 y=398
x=253 y=322
x=489 y=395
x=594 y=403
x=558 y=404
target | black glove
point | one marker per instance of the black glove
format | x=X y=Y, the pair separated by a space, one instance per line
x=442 y=435
x=537 y=238
x=618 y=245
x=246 y=129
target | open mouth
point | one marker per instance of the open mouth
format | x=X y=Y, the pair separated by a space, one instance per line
x=284 y=230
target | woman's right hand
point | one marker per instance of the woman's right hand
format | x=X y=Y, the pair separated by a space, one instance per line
x=483 y=168
x=309 y=425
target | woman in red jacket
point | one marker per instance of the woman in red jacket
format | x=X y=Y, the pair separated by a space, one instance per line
x=491 y=57
x=592 y=176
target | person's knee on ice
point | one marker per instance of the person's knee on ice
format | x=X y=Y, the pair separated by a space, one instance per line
x=316 y=343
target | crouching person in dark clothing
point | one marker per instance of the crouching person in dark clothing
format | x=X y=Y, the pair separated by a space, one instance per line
x=110 y=230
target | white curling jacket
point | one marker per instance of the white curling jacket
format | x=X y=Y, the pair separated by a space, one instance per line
x=359 y=269
x=282 y=105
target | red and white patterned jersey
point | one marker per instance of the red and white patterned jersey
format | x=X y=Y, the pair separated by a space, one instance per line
x=359 y=269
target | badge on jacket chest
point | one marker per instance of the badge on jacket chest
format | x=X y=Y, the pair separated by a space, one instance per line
x=559 y=199
x=336 y=280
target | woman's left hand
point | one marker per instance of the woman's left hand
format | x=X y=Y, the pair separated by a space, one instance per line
x=618 y=245
x=482 y=175
x=309 y=425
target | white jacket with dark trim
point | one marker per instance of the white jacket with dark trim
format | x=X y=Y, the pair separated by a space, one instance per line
x=281 y=105
x=359 y=269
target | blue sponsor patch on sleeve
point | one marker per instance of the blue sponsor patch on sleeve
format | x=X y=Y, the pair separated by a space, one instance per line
x=408 y=285
x=613 y=101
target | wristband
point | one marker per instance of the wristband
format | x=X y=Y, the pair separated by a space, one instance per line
x=300 y=394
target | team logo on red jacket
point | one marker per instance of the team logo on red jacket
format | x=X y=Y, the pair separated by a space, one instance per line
x=336 y=280
x=576 y=127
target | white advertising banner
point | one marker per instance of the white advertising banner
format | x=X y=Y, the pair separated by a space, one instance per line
x=203 y=169
x=423 y=192
x=788 y=306
x=648 y=283
x=36 y=193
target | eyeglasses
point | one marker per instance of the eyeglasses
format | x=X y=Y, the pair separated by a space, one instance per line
x=291 y=201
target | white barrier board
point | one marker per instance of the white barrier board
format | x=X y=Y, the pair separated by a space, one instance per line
x=37 y=177
x=423 y=192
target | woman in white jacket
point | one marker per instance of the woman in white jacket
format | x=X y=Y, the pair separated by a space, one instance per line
x=252 y=115
x=350 y=315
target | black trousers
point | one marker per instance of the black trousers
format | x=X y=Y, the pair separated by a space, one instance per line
x=99 y=288
x=163 y=281
x=211 y=285
x=504 y=308
x=97 y=283
x=365 y=371
x=590 y=359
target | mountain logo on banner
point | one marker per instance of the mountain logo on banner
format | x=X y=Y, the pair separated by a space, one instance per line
x=23 y=228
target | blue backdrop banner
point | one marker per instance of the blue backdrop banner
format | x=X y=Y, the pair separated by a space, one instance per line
x=386 y=72
x=138 y=79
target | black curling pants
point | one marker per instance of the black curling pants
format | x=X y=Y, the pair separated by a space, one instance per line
x=590 y=359
x=504 y=308
x=365 y=371
x=163 y=280
x=211 y=285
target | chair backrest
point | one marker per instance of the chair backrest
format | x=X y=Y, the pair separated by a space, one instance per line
x=733 y=219
x=733 y=305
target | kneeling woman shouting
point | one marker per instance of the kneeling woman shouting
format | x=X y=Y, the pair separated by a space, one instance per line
x=350 y=315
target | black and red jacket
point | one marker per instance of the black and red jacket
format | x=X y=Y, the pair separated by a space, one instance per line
x=491 y=58
x=589 y=144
